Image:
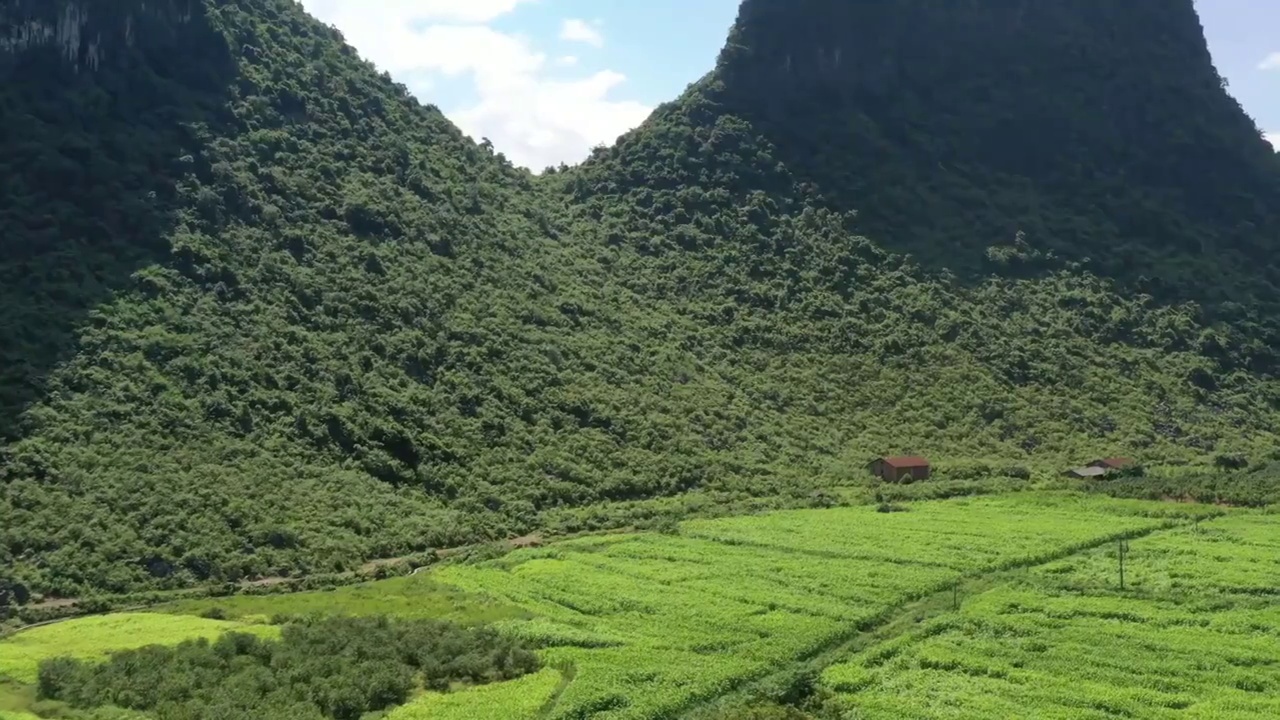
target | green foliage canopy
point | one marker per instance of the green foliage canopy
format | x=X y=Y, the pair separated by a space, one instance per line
x=339 y=668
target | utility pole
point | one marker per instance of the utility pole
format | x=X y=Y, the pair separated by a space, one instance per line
x=1123 y=550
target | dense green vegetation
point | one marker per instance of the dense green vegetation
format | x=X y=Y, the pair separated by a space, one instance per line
x=361 y=338
x=338 y=668
x=266 y=314
x=1255 y=486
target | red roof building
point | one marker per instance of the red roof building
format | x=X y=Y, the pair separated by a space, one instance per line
x=900 y=468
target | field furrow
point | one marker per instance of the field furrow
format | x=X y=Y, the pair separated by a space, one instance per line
x=1195 y=633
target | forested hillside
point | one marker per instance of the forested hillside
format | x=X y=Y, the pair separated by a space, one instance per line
x=1058 y=255
x=265 y=313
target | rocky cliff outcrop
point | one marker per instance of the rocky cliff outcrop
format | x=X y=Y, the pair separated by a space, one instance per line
x=85 y=32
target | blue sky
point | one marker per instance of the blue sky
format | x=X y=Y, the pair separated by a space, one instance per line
x=545 y=80
x=1244 y=36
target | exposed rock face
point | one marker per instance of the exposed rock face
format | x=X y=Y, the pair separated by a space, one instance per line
x=84 y=32
x=869 y=45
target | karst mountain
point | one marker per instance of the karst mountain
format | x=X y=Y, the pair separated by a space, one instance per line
x=263 y=312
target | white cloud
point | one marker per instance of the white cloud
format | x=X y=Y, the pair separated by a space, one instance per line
x=530 y=113
x=576 y=30
x=1270 y=62
x=567 y=60
x=1274 y=139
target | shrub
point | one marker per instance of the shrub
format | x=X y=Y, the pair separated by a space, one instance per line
x=383 y=660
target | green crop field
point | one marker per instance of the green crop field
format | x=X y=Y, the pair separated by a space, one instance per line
x=1194 y=634
x=653 y=623
x=521 y=699
x=657 y=625
x=95 y=637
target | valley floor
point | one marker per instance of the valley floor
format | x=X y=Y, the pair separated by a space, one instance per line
x=983 y=607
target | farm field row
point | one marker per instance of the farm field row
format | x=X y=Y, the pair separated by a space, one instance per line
x=649 y=625
x=654 y=624
x=1194 y=634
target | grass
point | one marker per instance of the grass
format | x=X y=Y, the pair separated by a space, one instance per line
x=93 y=638
x=1194 y=634
x=412 y=597
x=16 y=700
x=520 y=699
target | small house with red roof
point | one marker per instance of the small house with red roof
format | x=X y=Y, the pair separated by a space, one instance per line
x=900 y=468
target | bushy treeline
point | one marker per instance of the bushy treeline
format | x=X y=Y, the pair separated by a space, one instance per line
x=335 y=668
x=1256 y=486
x=17 y=610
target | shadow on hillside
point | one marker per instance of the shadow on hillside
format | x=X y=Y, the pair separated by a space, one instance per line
x=89 y=159
x=946 y=212
x=952 y=131
x=949 y=165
